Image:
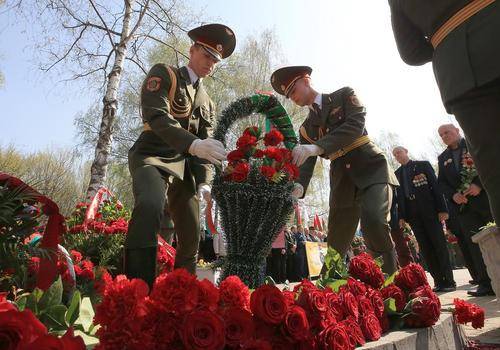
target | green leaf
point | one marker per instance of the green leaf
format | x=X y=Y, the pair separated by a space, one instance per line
x=74 y=308
x=379 y=261
x=335 y=286
x=390 y=306
x=90 y=341
x=86 y=314
x=52 y=296
x=21 y=302
x=390 y=279
x=33 y=299
x=54 y=317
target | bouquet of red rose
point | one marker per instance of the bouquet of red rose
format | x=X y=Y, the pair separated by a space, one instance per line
x=253 y=192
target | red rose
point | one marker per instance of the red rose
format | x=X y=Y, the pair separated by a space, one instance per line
x=67 y=342
x=313 y=301
x=240 y=172
x=334 y=337
x=349 y=303
x=235 y=155
x=292 y=170
x=176 y=292
x=273 y=138
x=289 y=297
x=370 y=325
x=234 y=293
x=295 y=324
x=364 y=305
x=280 y=343
x=425 y=308
x=334 y=304
x=19 y=329
x=411 y=277
x=356 y=336
x=384 y=323
x=239 y=326
x=364 y=268
x=203 y=329
x=305 y=285
x=5 y=305
x=256 y=344
x=34 y=265
x=159 y=328
x=252 y=131
x=245 y=142
x=377 y=301
x=467 y=312
x=268 y=304
x=267 y=171
x=208 y=295
x=393 y=291
x=356 y=287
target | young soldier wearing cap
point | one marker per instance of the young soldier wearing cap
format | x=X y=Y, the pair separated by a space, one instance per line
x=360 y=176
x=173 y=153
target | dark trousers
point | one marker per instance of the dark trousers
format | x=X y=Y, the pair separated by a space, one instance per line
x=300 y=263
x=478 y=113
x=291 y=275
x=278 y=265
x=464 y=242
x=149 y=187
x=472 y=217
x=433 y=246
x=404 y=254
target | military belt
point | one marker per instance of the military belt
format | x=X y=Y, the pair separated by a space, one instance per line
x=363 y=140
x=457 y=19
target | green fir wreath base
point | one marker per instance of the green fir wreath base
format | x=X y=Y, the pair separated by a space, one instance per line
x=252 y=214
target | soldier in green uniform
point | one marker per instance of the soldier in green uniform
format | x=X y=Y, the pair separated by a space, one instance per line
x=460 y=37
x=173 y=153
x=361 y=179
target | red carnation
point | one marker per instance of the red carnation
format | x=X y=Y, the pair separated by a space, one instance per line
x=292 y=170
x=273 y=138
x=245 y=142
x=274 y=153
x=235 y=155
x=393 y=291
x=258 y=153
x=239 y=326
x=370 y=325
x=208 y=295
x=468 y=312
x=240 y=172
x=203 y=329
x=76 y=256
x=252 y=131
x=334 y=337
x=411 y=277
x=268 y=304
x=267 y=171
x=295 y=324
x=234 y=293
x=176 y=292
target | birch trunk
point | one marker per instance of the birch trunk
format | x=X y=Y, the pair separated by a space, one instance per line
x=99 y=167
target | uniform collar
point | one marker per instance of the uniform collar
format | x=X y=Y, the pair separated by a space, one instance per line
x=192 y=75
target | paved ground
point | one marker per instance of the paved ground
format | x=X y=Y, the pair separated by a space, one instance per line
x=491 y=331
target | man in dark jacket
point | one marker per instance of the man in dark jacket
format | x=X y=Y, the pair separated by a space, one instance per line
x=460 y=37
x=423 y=206
x=466 y=197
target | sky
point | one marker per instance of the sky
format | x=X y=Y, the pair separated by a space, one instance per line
x=346 y=42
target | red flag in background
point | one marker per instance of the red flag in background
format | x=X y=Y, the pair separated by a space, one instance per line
x=298 y=219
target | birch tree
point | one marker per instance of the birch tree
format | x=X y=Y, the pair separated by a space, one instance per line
x=100 y=41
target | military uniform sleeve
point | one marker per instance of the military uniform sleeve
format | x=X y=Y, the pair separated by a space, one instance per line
x=350 y=130
x=413 y=47
x=436 y=191
x=306 y=170
x=203 y=171
x=156 y=110
x=443 y=184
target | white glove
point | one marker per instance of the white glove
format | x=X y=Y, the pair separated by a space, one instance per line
x=209 y=149
x=298 y=190
x=204 y=191
x=301 y=152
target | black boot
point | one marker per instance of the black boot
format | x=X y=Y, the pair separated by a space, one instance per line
x=141 y=263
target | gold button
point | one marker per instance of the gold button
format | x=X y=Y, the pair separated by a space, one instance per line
x=348 y=166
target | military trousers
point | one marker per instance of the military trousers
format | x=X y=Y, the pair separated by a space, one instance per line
x=474 y=215
x=432 y=242
x=478 y=113
x=372 y=206
x=149 y=186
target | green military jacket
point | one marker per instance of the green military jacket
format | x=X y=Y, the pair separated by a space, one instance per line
x=175 y=119
x=339 y=124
